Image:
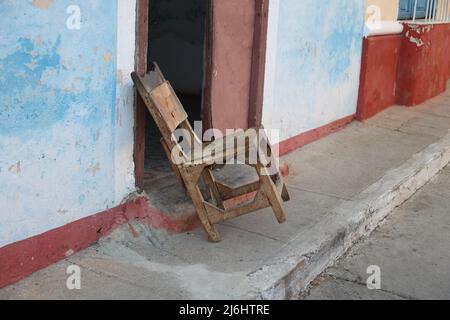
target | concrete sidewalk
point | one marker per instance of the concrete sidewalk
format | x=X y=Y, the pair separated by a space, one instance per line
x=341 y=188
x=412 y=250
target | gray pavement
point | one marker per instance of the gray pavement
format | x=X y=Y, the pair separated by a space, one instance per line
x=411 y=248
x=340 y=187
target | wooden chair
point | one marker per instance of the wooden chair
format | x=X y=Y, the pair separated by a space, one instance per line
x=169 y=115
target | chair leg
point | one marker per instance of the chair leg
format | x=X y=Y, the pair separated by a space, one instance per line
x=270 y=190
x=276 y=199
x=191 y=182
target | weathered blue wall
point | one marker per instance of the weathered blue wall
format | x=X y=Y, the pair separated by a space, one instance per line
x=313 y=63
x=57 y=114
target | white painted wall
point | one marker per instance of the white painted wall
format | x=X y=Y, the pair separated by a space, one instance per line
x=313 y=63
x=270 y=69
x=124 y=139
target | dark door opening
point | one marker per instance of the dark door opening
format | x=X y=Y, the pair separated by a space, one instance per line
x=176 y=41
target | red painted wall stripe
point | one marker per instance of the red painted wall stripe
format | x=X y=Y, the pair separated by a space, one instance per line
x=22 y=258
x=303 y=139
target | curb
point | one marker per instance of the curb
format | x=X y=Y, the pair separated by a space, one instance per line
x=307 y=255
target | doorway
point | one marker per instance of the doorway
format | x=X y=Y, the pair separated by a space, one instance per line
x=176 y=41
x=213 y=53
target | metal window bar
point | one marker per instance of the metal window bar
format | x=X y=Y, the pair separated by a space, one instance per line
x=436 y=11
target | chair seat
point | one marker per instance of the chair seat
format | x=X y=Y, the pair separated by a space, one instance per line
x=225 y=151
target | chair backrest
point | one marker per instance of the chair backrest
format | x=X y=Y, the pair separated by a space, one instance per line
x=163 y=104
x=168 y=106
x=160 y=99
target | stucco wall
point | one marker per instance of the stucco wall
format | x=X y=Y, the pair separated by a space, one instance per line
x=66 y=115
x=388 y=9
x=313 y=63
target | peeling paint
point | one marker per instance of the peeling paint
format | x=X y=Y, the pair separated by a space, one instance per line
x=42 y=4
x=107 y=57
x=38 y=41
x=415 y=33
x=62 y=211
x=16 y=168
x=94 y=169
x=417 y=41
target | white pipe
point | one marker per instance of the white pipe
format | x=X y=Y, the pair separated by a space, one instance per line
x=383 y=28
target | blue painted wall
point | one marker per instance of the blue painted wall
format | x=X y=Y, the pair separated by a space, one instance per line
x=313 y=63
x=57 y=114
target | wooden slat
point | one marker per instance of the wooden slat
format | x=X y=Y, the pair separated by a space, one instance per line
x=228 y=192
x=279 y=180
x=152 y=80
x=138 y=81
x=216 y=215
x=270 y=190
x=227 y=152
x=170 y=108
x=191 y=176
